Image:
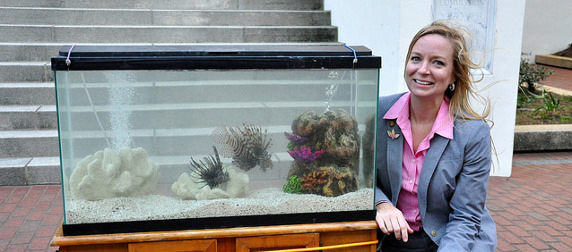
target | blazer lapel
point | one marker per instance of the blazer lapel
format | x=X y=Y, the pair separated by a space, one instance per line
x=434 y=153
x=394 y=159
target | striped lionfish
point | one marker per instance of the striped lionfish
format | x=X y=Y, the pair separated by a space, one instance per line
x=247 y=146
x=211 y=171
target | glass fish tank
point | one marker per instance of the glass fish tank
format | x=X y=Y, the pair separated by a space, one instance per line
x=215 y=136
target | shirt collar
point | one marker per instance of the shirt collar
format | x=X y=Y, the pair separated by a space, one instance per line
x=398 y=107
x=443 y=124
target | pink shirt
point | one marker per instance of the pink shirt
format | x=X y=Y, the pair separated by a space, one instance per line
x=413 y=162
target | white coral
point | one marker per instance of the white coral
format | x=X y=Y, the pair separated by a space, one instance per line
x=190 y=188
x=185 y=187
x=108 y=174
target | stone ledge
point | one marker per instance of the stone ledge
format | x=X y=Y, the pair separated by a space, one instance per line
x=554 y=60
x=532 y=138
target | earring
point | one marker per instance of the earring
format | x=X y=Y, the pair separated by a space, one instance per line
x=452 y=87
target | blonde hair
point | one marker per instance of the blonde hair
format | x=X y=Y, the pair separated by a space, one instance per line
x=459 y=105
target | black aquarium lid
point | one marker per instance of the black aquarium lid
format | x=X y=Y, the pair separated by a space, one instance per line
x=187 y=57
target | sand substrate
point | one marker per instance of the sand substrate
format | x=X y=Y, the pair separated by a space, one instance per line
x=259 y=202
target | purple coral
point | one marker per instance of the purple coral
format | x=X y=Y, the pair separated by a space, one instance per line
x=305 y=154
x=297 y=139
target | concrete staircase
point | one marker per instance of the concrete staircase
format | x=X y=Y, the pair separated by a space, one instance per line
x=32 y=31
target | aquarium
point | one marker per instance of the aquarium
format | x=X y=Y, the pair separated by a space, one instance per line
x=212 y=136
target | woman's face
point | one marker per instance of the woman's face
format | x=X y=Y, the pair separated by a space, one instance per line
x=429 y=69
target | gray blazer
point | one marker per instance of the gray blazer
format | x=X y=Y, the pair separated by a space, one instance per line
x=452 y=186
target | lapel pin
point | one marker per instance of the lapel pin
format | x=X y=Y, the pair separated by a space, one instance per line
x=392 y=134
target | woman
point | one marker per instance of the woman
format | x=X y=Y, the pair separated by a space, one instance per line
x=434 y=152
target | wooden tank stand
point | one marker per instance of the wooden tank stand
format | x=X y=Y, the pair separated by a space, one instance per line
x=338 y=236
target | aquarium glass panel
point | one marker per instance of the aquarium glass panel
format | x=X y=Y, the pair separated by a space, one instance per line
x=143 y=144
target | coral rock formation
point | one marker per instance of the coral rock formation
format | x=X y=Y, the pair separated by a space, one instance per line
x=327 y=163
x=108 y=174
x=305 y=154
x=191 y=187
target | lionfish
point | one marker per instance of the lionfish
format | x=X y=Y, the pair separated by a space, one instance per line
x=211 y=171
x=247 y=146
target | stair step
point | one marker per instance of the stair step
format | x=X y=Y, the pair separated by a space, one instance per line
x=173 y=4
x=30 y=171
x=29 y=143
x=147 y=17
x=13 y=171
x=167 y=34
x=35 y=30
x=26 y=72
x=44 y=170
x=10 y=52
x=28 y=117
x=37 y=51
x=27 y=93
x=23 y=52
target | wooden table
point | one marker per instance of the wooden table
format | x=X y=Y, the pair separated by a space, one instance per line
x=336 y=236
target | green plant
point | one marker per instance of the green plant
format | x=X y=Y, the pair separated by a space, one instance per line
x=566 y=119
x=531 y=74
x=550 y=104
x=543 y=108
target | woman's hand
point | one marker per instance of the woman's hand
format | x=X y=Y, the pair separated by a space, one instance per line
x=391 y=220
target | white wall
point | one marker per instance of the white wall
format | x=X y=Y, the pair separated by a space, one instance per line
x=365 y=23
x=547 y=27
x=387 y=26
